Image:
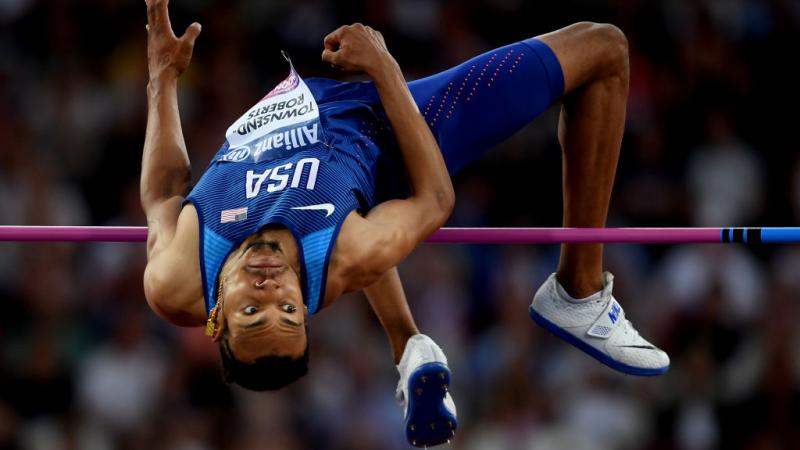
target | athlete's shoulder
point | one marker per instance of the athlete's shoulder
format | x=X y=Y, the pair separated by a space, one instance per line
x=172 y=281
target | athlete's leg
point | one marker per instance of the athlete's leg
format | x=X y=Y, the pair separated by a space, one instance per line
x=422 y=391
x=483 y=101
x=594 y=61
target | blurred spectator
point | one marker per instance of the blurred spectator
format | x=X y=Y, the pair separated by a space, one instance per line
x=120 y=381
x=724 y=178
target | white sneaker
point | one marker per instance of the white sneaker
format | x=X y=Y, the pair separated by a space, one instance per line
x=597 y=325
x=430 y=414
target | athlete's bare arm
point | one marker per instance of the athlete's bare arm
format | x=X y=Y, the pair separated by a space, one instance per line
x=388 y=301
x=172 y=278
x=368 y=247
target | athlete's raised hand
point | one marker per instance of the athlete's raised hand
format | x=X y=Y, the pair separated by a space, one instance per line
x=357 y=48
x=167 y=54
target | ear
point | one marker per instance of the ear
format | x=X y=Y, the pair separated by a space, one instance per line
x=220 y=329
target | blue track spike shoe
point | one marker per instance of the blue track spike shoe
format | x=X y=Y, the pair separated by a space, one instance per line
x=597 y=325
x=423 y=393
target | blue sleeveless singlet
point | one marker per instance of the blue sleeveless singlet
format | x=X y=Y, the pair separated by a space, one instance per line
x=289 y=160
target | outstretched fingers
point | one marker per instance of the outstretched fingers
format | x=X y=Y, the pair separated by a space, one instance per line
x=158 y=16
x=191 y=33
x=167 y=55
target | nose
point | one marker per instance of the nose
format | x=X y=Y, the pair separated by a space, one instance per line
x=266 y=282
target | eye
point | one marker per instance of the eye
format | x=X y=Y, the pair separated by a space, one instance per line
x=250 y=310
x=288 y=308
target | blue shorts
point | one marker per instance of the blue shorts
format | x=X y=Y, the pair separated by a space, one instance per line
x=470 y=108
x=482 y=102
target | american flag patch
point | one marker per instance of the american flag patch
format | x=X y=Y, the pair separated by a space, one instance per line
x=233 y=215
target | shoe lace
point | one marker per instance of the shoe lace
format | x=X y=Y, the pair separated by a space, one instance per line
x=625 y=324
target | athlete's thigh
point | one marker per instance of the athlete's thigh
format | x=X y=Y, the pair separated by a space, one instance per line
x=482 y=102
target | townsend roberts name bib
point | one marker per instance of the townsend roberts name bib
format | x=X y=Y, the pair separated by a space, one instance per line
x=283 y=122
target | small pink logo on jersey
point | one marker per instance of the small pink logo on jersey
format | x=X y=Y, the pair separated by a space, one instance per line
x=286 y=85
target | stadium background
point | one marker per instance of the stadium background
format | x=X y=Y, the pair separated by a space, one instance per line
x=710 y=141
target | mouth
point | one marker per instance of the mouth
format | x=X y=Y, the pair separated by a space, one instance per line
x=259 y=260
x=266 y=271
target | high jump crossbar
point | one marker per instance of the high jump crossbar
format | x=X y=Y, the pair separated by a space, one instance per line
x=771 y=235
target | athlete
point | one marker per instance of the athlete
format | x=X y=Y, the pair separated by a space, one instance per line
x=262 y=278
x=323 y=187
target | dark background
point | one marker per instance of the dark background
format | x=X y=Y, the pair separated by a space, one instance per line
x=710 y=141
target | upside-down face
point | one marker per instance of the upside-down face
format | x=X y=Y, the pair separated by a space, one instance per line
x=262 y=311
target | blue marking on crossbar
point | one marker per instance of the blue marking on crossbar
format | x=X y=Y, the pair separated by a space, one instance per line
x=780 y=235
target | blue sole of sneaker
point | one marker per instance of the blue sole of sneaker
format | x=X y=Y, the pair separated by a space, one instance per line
x=591 y=351
x=428 y=421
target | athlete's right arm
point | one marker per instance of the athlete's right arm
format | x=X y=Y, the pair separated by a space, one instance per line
x=165 y=169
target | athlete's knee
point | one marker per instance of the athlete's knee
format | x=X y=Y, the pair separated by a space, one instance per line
x=590 y=52
x=612 y=45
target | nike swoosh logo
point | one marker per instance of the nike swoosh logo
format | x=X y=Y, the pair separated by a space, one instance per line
x=646 y=347
x=327 y=207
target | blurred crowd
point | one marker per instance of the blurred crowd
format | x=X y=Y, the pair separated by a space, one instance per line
x=710 y=141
